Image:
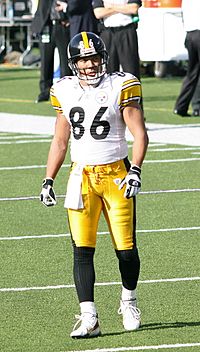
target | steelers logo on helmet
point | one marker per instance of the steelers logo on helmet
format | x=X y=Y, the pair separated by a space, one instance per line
x=86 y=44
x=87 y=50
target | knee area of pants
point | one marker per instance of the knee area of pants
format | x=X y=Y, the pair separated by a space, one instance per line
x=127 y=255
x=83 y=254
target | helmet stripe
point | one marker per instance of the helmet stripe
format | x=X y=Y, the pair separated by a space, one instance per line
x=85 y=39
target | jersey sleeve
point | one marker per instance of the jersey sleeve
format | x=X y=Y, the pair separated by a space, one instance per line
x=130 y=92
x=55 y=102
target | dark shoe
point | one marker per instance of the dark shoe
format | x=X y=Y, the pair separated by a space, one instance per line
x=181 y=113
x=42 y=97
x=196 y=113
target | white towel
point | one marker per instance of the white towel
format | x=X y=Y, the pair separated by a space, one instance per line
x=73 y=199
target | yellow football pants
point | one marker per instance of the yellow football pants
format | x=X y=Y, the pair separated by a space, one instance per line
x=100 y=193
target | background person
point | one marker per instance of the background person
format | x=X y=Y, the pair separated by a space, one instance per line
x=191 y=20
x=93 y=109
x=119 y=33
x=81 y=16
x=52 y=28
x=196 y=100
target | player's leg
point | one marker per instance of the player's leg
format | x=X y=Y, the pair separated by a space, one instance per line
x=120 y=214
x=46 y=69
x=83 y=226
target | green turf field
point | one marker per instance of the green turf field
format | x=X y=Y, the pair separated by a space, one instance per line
x=37 y=296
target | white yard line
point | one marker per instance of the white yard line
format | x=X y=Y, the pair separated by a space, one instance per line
x=173 y=149
x=17 y=238
x=28 y=141
x=21 y=136
x=99 y=284
x=171 y=191
x=26 y=167
x=170 y=160
x=185 y=190
x=140 y=348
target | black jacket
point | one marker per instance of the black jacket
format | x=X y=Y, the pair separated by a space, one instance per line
x=81 y=17
x=42 y=16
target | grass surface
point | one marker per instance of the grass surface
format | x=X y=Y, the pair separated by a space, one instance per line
x=20 y=88
x=40 y=318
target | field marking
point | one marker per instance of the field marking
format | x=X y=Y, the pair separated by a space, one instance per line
x=140 y=348
x=173 y=149
x=28 y=167
x=171 y=191
x=170 y=160
x=25 y=167
x=27 y=136
x=184 y=190
x=9 y=100
x=99 y=284
x=28 y=141
x=13 y=238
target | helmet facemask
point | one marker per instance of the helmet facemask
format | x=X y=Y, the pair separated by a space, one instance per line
x=99 y=70
x=87 y=45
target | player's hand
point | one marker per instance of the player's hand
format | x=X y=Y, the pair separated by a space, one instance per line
x=61 y=6
x=47 y=195
x=132 y=181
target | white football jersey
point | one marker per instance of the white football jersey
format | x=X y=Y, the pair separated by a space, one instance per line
x=95 y=116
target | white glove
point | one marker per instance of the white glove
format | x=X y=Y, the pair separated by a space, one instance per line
x=47 y=195
x=132 y=182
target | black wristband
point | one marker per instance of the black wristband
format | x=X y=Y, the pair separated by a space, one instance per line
x=47 y=182
x=135 y=169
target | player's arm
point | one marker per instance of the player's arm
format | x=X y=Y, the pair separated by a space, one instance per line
x=134 y=120
x=108 y=10
x=127 y=9
x=58 y=146
x=133 y=117
x=56 y=157
x=102 y=12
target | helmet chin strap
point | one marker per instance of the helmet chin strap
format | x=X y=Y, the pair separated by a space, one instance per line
x=89 y=81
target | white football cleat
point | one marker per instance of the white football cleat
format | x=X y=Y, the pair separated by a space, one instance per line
x=131 y=315
x=88 y=326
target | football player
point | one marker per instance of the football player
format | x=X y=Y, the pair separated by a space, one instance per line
x=93 y=110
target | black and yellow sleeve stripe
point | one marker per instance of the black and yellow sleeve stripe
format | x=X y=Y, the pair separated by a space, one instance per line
x=54 y=102
x=130 y=92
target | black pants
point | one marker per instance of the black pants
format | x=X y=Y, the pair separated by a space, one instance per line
x=59 y=37
x=196 y=97
x=122 y=46
x=192 y=44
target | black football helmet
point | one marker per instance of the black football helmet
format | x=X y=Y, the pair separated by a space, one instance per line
x=87 y=44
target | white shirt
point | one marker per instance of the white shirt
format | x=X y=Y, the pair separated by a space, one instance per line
x=191 y=15
x=118 y=19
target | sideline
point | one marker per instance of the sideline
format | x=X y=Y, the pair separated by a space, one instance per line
x=158 y=133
